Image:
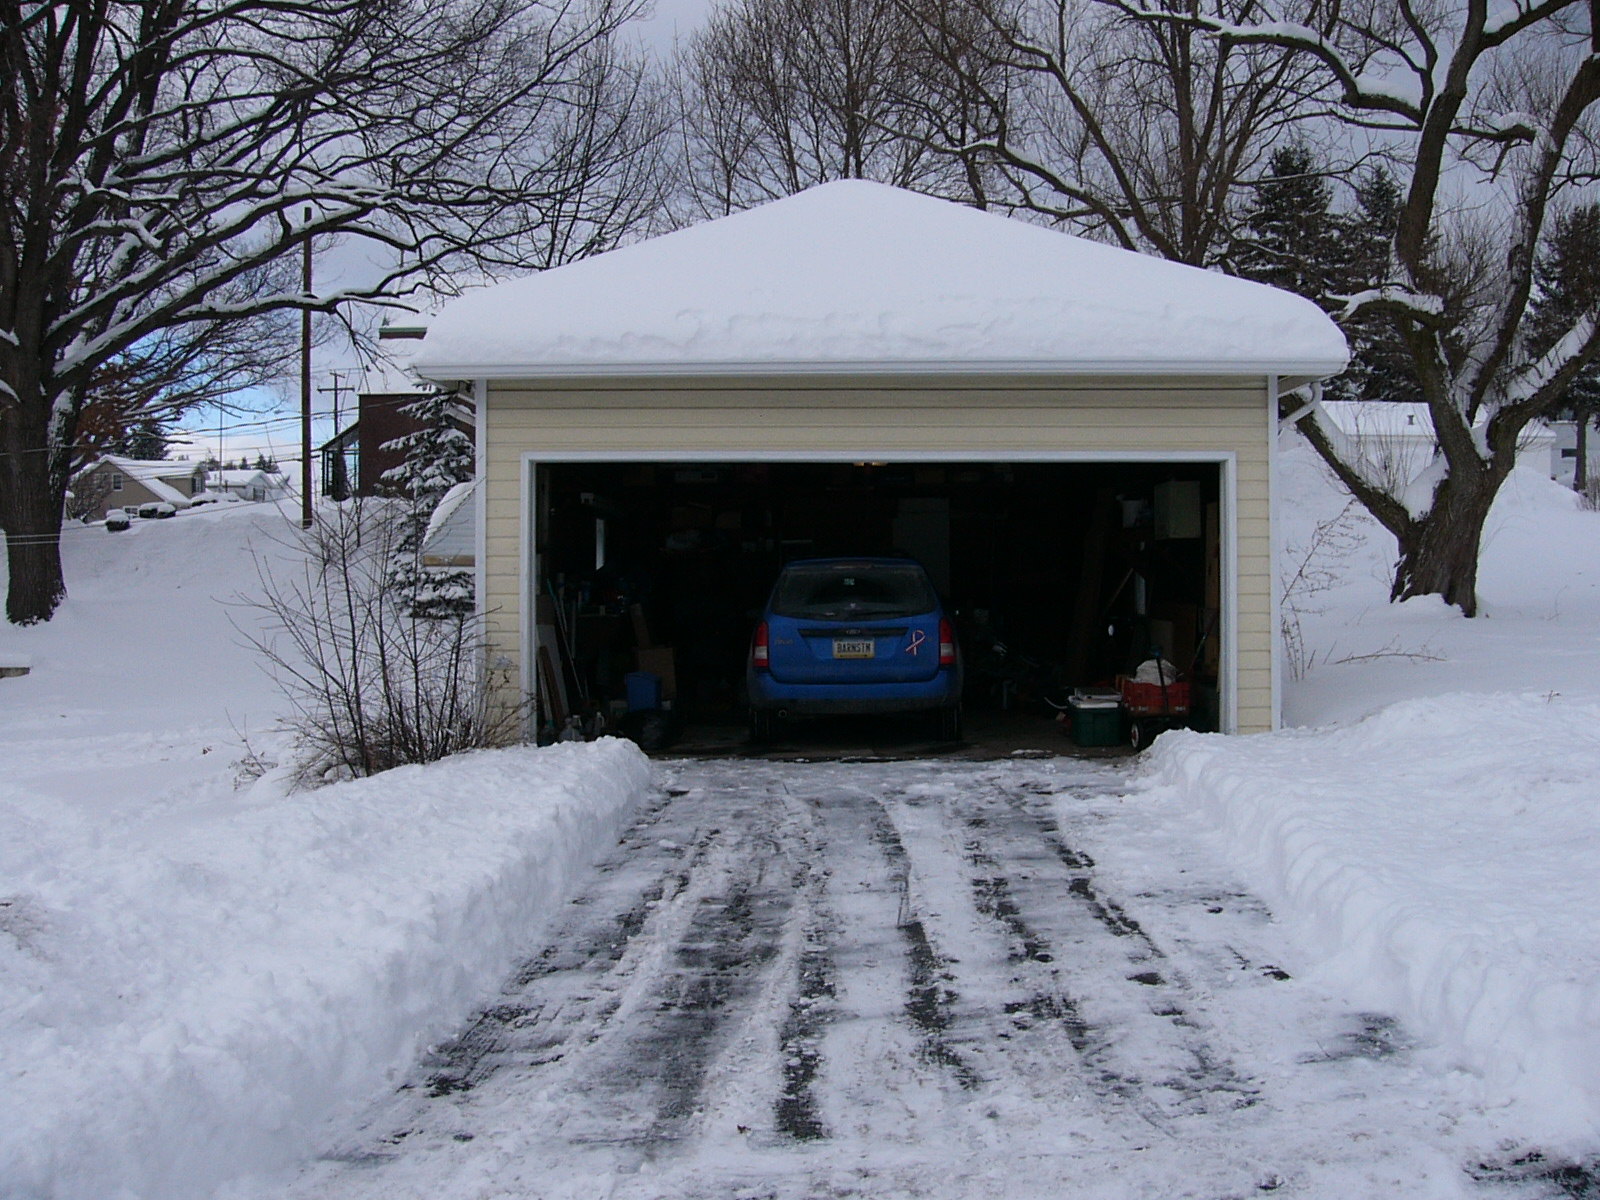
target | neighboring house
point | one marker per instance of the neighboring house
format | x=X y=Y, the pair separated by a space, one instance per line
x=1061 y=429
x=248 y=484
x=116 y=482
x=1564 y=451
x=356 y=458
x=1396 y=443
x=451 y=537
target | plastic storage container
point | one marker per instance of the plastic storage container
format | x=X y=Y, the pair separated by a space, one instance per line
x=644 y=690
x=1096 y=722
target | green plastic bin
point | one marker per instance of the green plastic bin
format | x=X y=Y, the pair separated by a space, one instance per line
x=1096 y=722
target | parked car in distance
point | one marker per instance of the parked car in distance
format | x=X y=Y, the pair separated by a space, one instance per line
x=853 y=636
x=156 y=510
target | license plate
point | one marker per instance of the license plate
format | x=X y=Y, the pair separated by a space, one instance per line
x=853 y=648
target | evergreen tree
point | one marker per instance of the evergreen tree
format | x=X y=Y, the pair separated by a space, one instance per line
x=145 y=440
x=1379 y=365
x=1298 y=242
x=267 y=464
x=1293 y=239
x=1566 y=280
x=437 y=457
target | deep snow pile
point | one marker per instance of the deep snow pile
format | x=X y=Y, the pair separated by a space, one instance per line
x=1432 y=845
x=197 y=972
x=1436 y=861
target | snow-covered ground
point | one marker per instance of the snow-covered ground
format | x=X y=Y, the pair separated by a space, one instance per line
x=201 y=973
x=198 y=968
x=1429 y=838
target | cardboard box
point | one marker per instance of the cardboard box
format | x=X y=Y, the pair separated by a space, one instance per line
x=1178 y=513
x=658 y=660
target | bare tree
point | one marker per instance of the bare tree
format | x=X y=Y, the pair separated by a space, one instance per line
x=162 y=161
x=1495 y=103
x=778 y=95
x=1142 y=132
x=370 y=685
x=599 y=155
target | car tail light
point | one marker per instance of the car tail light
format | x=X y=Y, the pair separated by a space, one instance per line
x=760 y=656
x=947 y=643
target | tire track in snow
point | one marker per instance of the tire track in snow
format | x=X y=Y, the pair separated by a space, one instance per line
x=880 y=1029
x=1142 y=1030
x=1021 y=1030
x=930 y=998
x=798 y=981
x=611 y=1029
x=643 y=1086
x=564 y=988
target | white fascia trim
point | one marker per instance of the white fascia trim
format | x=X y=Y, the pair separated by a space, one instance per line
x=1275 y=611
x=528 y=593
x=870 y=455
x=480 y=497
x=1314 y=369
x=1228 y=718
x=1226 y=461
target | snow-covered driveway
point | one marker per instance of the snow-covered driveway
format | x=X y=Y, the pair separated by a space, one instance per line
x=910 y=979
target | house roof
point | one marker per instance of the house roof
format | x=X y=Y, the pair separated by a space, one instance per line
x=1404 y=420
x=450 y=527
x=153 y=475
x=144 y=469
x=1381 y=418
x=854 y=276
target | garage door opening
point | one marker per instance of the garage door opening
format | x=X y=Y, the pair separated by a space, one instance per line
x=1061 y=574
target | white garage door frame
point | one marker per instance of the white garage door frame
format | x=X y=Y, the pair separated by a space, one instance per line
x=1226 y=461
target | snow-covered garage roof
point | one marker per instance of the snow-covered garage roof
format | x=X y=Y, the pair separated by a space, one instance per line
x=860 y=277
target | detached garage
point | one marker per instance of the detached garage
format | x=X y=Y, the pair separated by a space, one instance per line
x=1075 y=440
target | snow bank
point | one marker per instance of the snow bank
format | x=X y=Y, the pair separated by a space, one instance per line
x=192 y=989
x=1436 y=861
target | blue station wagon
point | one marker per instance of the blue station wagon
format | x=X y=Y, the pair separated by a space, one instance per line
x=854 y=636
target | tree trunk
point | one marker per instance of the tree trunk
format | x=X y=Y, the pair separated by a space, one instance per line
x=33 y=547
x=1440 y=557
x=1580 y=466
x=33 y=491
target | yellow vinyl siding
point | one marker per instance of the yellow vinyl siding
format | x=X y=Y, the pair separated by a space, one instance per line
x=978 y=418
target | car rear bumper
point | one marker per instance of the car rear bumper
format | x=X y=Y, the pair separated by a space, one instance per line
x=826 y=699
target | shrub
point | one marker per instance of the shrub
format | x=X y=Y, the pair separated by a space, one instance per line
x=371 y=686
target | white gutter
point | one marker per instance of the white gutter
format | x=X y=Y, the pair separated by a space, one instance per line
x=445 y=371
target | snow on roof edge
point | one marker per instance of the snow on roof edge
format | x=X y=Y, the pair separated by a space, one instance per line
x=1299 y=369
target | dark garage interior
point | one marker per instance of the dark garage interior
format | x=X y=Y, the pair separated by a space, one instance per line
x=1060 y=575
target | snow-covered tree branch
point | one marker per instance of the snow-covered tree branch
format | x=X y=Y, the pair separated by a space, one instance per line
x=1502 y=102
x=1138 y=130
x=162 y=163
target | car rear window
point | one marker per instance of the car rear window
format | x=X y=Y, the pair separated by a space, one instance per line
x=835 y=590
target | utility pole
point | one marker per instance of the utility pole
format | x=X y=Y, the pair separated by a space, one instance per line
x=305 y=385
x=336 y=483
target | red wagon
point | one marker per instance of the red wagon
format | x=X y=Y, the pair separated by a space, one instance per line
x=1153 y=708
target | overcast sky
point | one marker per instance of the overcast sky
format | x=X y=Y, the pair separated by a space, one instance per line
x=277 y=433
x=672 y=18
